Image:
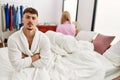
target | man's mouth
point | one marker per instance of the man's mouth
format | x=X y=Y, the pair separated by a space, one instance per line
x=29 y=28
x=30 y=24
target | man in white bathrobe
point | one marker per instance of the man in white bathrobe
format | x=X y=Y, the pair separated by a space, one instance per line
x=29 y=50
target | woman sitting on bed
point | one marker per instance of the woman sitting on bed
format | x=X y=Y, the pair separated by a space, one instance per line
x=66 y=27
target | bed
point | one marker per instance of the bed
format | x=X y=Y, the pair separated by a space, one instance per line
x=71 y=60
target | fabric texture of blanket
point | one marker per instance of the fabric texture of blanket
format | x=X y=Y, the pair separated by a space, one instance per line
x=73 y=60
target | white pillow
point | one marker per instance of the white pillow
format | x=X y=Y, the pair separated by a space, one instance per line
x=85 y=35
x=85 y=45
x=113 y=53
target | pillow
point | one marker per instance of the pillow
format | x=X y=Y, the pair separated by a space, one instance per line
x=102 y=43
x=85 y=35
x=85 y=45
x=113 y=53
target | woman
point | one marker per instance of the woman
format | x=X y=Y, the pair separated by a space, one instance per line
x=66 y=27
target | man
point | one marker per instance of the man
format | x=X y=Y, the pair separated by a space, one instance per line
x=29 y=49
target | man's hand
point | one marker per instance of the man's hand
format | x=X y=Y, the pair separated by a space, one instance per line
x=35 y=57
x=24 y=55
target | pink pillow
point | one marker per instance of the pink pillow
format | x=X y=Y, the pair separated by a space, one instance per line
x=102 y=43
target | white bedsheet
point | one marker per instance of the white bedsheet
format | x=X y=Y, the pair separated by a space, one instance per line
x=6 y=69
x=112 y=71
x=75 y=61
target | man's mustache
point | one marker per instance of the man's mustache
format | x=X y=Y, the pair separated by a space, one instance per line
x=30 y=23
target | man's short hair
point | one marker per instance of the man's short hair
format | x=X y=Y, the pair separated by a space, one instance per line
x=30 y=10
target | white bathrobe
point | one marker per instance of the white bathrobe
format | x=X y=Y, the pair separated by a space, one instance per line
x=24 y=68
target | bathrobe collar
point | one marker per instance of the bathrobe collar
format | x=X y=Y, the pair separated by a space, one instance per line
x=25 y=44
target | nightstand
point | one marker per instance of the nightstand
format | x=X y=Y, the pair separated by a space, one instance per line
x=45 y=28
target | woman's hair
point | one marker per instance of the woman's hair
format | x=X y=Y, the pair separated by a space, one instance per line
x=30 y=10
x=65 y=17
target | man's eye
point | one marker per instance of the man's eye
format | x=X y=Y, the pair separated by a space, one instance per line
x=27 y=17
x=33 y=18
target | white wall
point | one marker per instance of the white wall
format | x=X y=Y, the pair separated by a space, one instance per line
x=48 y=10
x=59 y=10
x=85 y=14
x=108 y=18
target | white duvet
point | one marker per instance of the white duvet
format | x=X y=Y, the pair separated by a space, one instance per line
x=71 y=60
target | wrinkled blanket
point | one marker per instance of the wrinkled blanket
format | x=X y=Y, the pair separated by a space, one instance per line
x=73 y=60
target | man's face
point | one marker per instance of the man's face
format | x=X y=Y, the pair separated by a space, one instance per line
x=30 y=21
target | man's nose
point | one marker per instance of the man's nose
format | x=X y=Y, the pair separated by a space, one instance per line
x=30 y=19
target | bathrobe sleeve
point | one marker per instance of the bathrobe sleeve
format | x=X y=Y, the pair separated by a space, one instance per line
x=45 y=53
x=15 y=55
